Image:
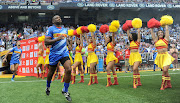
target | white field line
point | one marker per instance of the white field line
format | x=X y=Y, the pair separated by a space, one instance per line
x=79 y=79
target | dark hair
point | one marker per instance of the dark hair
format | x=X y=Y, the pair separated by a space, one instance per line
x=163 y=34
x=76 y=42
x=110 y=37
x=134 y=37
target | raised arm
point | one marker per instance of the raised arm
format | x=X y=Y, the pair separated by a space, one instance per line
x=139 y=35
x=153 y=35
x=86 y=38
x=105 y=38
x=93 y=38
x=128 y=33
x=113 y=40
x=166 y=33
x=81 y=39
x=71 y=38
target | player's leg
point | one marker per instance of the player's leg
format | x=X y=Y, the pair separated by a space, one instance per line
x=52 y=69
x=67 y=78
x=12 y=69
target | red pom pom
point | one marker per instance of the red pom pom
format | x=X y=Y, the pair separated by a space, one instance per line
x=36 y=40
x=86 y=29
x=125 y=27
x=151 y=23
x=107 y=27
x=129 y=24
x=75 y=33
x=104 y=28
x=157 y=24
x=83 y=29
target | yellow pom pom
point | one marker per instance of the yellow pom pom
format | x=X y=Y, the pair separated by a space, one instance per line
x=70 y=32
x=137 y=23
x=112 y=28
x=92 y=27
x=166 y=20
x=79 y=31
x=115 y=23
x=163 y=23
x=43 y=37
x=40 y=39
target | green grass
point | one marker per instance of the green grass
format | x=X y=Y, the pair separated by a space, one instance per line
x=34 y=92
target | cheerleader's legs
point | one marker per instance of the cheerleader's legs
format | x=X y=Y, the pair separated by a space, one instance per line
x=39 y=66
x=92 y=73
x=166 y=79
x=136 y=75
x=110 y=66
x=77 y=64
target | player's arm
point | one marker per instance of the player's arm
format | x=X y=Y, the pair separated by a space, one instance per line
x=49 y=41
x=167 y=33
x=5 y=60
x=153 y=35
x=86 y=38
x=49 y=36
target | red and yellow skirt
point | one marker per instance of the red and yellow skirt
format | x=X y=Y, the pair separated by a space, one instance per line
x=47 y=59
x=134 y=57
x=111 y=57
x=41 y=60
x=163 y=59
x=71 y=60
x=92 y=58
x=78 y=58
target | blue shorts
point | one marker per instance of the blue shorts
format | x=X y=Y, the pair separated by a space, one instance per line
x=55 y=58
x=14 y=62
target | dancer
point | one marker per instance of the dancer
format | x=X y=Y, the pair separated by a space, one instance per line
x=40 y=61
x=69 y=43
x=92 y=59
x=163 y=58
x=78 y=61
x=135 y=58
x=110 y=59
x=46 y=65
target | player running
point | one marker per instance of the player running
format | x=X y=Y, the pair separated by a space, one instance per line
x=15 y=59
x=56 y=37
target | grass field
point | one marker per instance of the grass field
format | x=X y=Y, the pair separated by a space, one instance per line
x=32 y=90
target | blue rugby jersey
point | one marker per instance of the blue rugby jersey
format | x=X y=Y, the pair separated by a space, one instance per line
x=59 y=47
x=16 y=54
